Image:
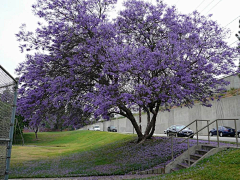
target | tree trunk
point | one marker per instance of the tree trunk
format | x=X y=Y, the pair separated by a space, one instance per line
x=36 y=131
x=153 y=129
x=151 y=122
x=140 y=119
x=150 y=129
x=130 y=116
x=36 y=135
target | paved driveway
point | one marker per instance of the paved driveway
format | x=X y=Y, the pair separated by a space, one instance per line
x=212 y=138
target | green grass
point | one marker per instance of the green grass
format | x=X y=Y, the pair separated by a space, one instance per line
x=70 y=153
x=54 y=144
x=224 y=165
x=87 y=153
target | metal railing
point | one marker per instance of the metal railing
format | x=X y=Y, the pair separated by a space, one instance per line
x=175 y=133
x=197 y=127
x=235 y=124
x=172 y=134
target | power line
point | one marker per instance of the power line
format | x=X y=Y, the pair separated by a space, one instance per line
x=207 y=5
x=232 y=21
x=200 y=4
x=177 y=2
x=233 y=42
x=214 y=6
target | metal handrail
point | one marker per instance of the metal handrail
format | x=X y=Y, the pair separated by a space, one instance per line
x=174 y=133
x=187 y=139
x=197 y=127
x=217 y=130
x=193 y=122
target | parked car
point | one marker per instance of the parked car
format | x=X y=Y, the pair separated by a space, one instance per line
x=165 y=131
x=112 y=129
x=223 y=131
x=175 y=130
x=96 y=128
x=238 y=133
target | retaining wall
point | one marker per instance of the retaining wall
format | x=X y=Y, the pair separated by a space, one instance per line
x=222 y=109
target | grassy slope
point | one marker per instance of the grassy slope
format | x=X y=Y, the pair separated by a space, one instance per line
x=80 y=153
x=224 y=165
x=53 y=144
x=74 y=153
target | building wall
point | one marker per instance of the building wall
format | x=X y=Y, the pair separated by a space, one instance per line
x=222 y=109
x=234 y=82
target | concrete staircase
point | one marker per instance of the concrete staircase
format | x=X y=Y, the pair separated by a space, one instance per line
x=196 y=153
x=194 y=157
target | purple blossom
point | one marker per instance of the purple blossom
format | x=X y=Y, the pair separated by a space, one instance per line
x=149 y=57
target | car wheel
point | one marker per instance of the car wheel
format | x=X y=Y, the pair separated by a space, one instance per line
x=210 y=134
x=191 y=136
x=221 y=134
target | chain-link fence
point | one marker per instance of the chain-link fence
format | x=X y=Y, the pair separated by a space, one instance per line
x=8 y=88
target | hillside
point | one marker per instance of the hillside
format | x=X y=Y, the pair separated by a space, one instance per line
x=89 y=153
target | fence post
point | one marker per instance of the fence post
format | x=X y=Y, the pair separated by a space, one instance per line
x=217 y=132
x=197 y=130
x=172 y=146
x=236 y=132
x=208 y=133
x=11 y=131
x=188 y=152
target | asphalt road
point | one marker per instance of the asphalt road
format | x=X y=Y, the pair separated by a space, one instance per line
x=212 y=138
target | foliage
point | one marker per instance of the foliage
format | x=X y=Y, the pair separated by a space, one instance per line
x=149 y=57
x=21 y=124
x=18 y=127
x=75 y=153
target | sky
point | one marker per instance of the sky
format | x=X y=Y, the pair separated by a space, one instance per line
x=14 y=13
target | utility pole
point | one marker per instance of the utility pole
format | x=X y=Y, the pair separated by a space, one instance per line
x=140 y=119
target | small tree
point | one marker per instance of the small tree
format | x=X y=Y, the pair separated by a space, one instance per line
x=149 y=57
x=19 y=125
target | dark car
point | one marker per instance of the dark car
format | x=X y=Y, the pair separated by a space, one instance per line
x=112 y=129
x=180 y=131
x=165 y=131
x=223 y=131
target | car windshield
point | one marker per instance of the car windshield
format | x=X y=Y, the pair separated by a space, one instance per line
x=96 y=126
x=227 y=127
x=178 y=128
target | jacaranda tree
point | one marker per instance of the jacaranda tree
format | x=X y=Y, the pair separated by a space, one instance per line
x=150 y=57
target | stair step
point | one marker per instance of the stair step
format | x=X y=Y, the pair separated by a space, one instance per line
x=191 y=160
x=195 y=156
x=201 y=151
x=175 y=169
x=182 y=165
x=208 y=147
